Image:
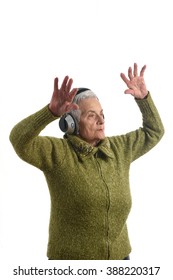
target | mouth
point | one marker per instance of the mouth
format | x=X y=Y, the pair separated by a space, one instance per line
x=100 y=129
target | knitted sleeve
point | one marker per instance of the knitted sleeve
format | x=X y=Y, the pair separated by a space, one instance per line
x=136 y=143
x=32 y=148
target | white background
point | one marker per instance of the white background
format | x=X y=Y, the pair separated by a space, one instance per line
x=92 y=41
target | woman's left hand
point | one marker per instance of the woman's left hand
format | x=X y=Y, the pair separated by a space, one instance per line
x=136 y=84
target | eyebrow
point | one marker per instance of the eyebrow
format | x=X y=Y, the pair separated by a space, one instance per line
x=92 y=111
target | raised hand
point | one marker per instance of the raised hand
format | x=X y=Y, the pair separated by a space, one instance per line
x=62 y=98
x=136 y=84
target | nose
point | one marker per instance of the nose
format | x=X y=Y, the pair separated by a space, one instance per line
x=101 y=119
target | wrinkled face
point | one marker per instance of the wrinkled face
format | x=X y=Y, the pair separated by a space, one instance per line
x=91 y=124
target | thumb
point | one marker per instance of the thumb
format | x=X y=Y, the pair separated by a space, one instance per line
x=129 y=91
x=72 y=106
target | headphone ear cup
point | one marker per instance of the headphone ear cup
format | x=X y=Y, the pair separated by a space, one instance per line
x=68 y=124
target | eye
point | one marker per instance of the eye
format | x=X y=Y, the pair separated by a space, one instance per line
x=91 y=115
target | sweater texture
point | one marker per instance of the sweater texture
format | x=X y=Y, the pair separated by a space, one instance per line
x=89 y=186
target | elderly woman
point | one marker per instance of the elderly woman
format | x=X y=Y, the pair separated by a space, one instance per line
x=86 y=172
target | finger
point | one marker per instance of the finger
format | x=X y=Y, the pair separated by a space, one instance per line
x=130 y=73
x=72 y=94
x=69 y=85
x=124 y=78
x=143 y=70
x=135 y=71
x=64 y=83
x=55 y=84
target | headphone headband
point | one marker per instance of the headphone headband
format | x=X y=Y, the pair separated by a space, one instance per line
x=81 y=90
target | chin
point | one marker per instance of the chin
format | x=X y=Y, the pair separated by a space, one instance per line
x=100 y=135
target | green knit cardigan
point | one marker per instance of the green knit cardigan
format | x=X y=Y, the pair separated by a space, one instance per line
x=89 y=186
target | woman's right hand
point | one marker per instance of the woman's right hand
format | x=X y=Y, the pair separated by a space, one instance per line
x=62 y=98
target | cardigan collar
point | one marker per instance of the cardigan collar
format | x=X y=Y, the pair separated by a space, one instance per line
x=84 y=150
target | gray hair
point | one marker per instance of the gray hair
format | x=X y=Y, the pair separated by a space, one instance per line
x=83 y=95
